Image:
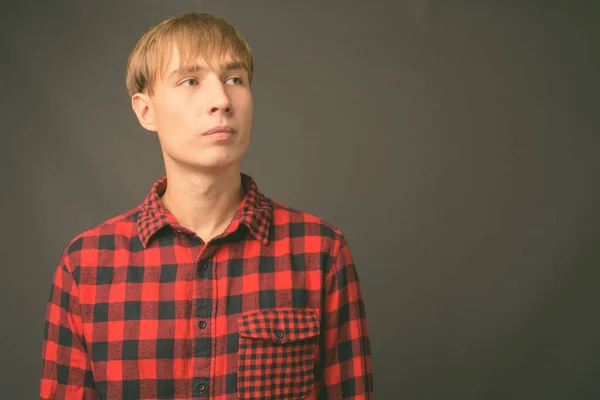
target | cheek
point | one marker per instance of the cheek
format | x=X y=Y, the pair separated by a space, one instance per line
x=167 y=114
x=172 y=119
x=247 y=110
x=171 y=126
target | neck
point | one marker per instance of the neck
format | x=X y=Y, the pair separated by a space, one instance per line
x=204 y=202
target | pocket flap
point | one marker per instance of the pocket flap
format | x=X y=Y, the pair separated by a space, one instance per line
x=282 y=326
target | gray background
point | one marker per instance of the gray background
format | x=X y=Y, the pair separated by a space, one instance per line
x=453 y=142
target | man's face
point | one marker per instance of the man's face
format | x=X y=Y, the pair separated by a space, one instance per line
x=186 y=104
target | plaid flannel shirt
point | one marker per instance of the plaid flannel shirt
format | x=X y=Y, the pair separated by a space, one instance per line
x=141 y=308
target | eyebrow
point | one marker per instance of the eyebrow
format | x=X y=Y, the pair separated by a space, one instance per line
x=234 y=65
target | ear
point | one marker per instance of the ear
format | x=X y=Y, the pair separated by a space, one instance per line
x=142 y=106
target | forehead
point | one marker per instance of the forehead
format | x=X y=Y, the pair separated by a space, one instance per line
x=205 y=59
x=181 y=56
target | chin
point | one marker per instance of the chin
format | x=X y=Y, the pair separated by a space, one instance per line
x=221 y=163
x=212 y=158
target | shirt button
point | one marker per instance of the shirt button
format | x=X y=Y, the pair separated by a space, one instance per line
x=279 y=333
x=202 y=324
x=201 y=387
x=204 y=266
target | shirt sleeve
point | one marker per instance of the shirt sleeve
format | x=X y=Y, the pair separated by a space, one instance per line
x=66 y=372
x=346 y=346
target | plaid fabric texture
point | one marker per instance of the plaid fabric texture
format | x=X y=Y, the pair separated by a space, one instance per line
x=276 y=354
x=141 y=308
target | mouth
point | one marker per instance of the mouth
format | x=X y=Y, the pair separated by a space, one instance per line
x=220 y=129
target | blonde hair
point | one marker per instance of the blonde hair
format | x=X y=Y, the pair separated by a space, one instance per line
x=193 y=34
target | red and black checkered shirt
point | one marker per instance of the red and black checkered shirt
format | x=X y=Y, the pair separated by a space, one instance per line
x=142 y=308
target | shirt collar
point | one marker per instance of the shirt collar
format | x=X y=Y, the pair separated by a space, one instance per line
x=255 y=212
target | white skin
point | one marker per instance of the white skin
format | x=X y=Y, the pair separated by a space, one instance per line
x=204 y=188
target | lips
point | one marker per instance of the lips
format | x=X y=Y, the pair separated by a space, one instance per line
x=220 y=128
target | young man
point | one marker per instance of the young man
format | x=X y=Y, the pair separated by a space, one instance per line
x=208 y=289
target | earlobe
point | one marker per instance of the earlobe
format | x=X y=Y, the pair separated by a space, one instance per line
x=142 y=106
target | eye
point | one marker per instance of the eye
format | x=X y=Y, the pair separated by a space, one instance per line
x=195 y=81
x=237 y=80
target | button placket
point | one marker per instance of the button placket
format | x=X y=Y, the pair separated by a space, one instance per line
x=202 y=346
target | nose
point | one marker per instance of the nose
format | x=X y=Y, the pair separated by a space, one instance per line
x=218 y=100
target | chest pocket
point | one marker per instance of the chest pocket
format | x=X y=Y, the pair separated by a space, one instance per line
x=277 y=353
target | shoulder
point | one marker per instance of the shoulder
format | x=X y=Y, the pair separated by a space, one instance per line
x=302 y=223
x=103 y=235
x=317 y=235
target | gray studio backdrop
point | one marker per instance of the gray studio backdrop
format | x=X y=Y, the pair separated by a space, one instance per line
x=454 y=143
